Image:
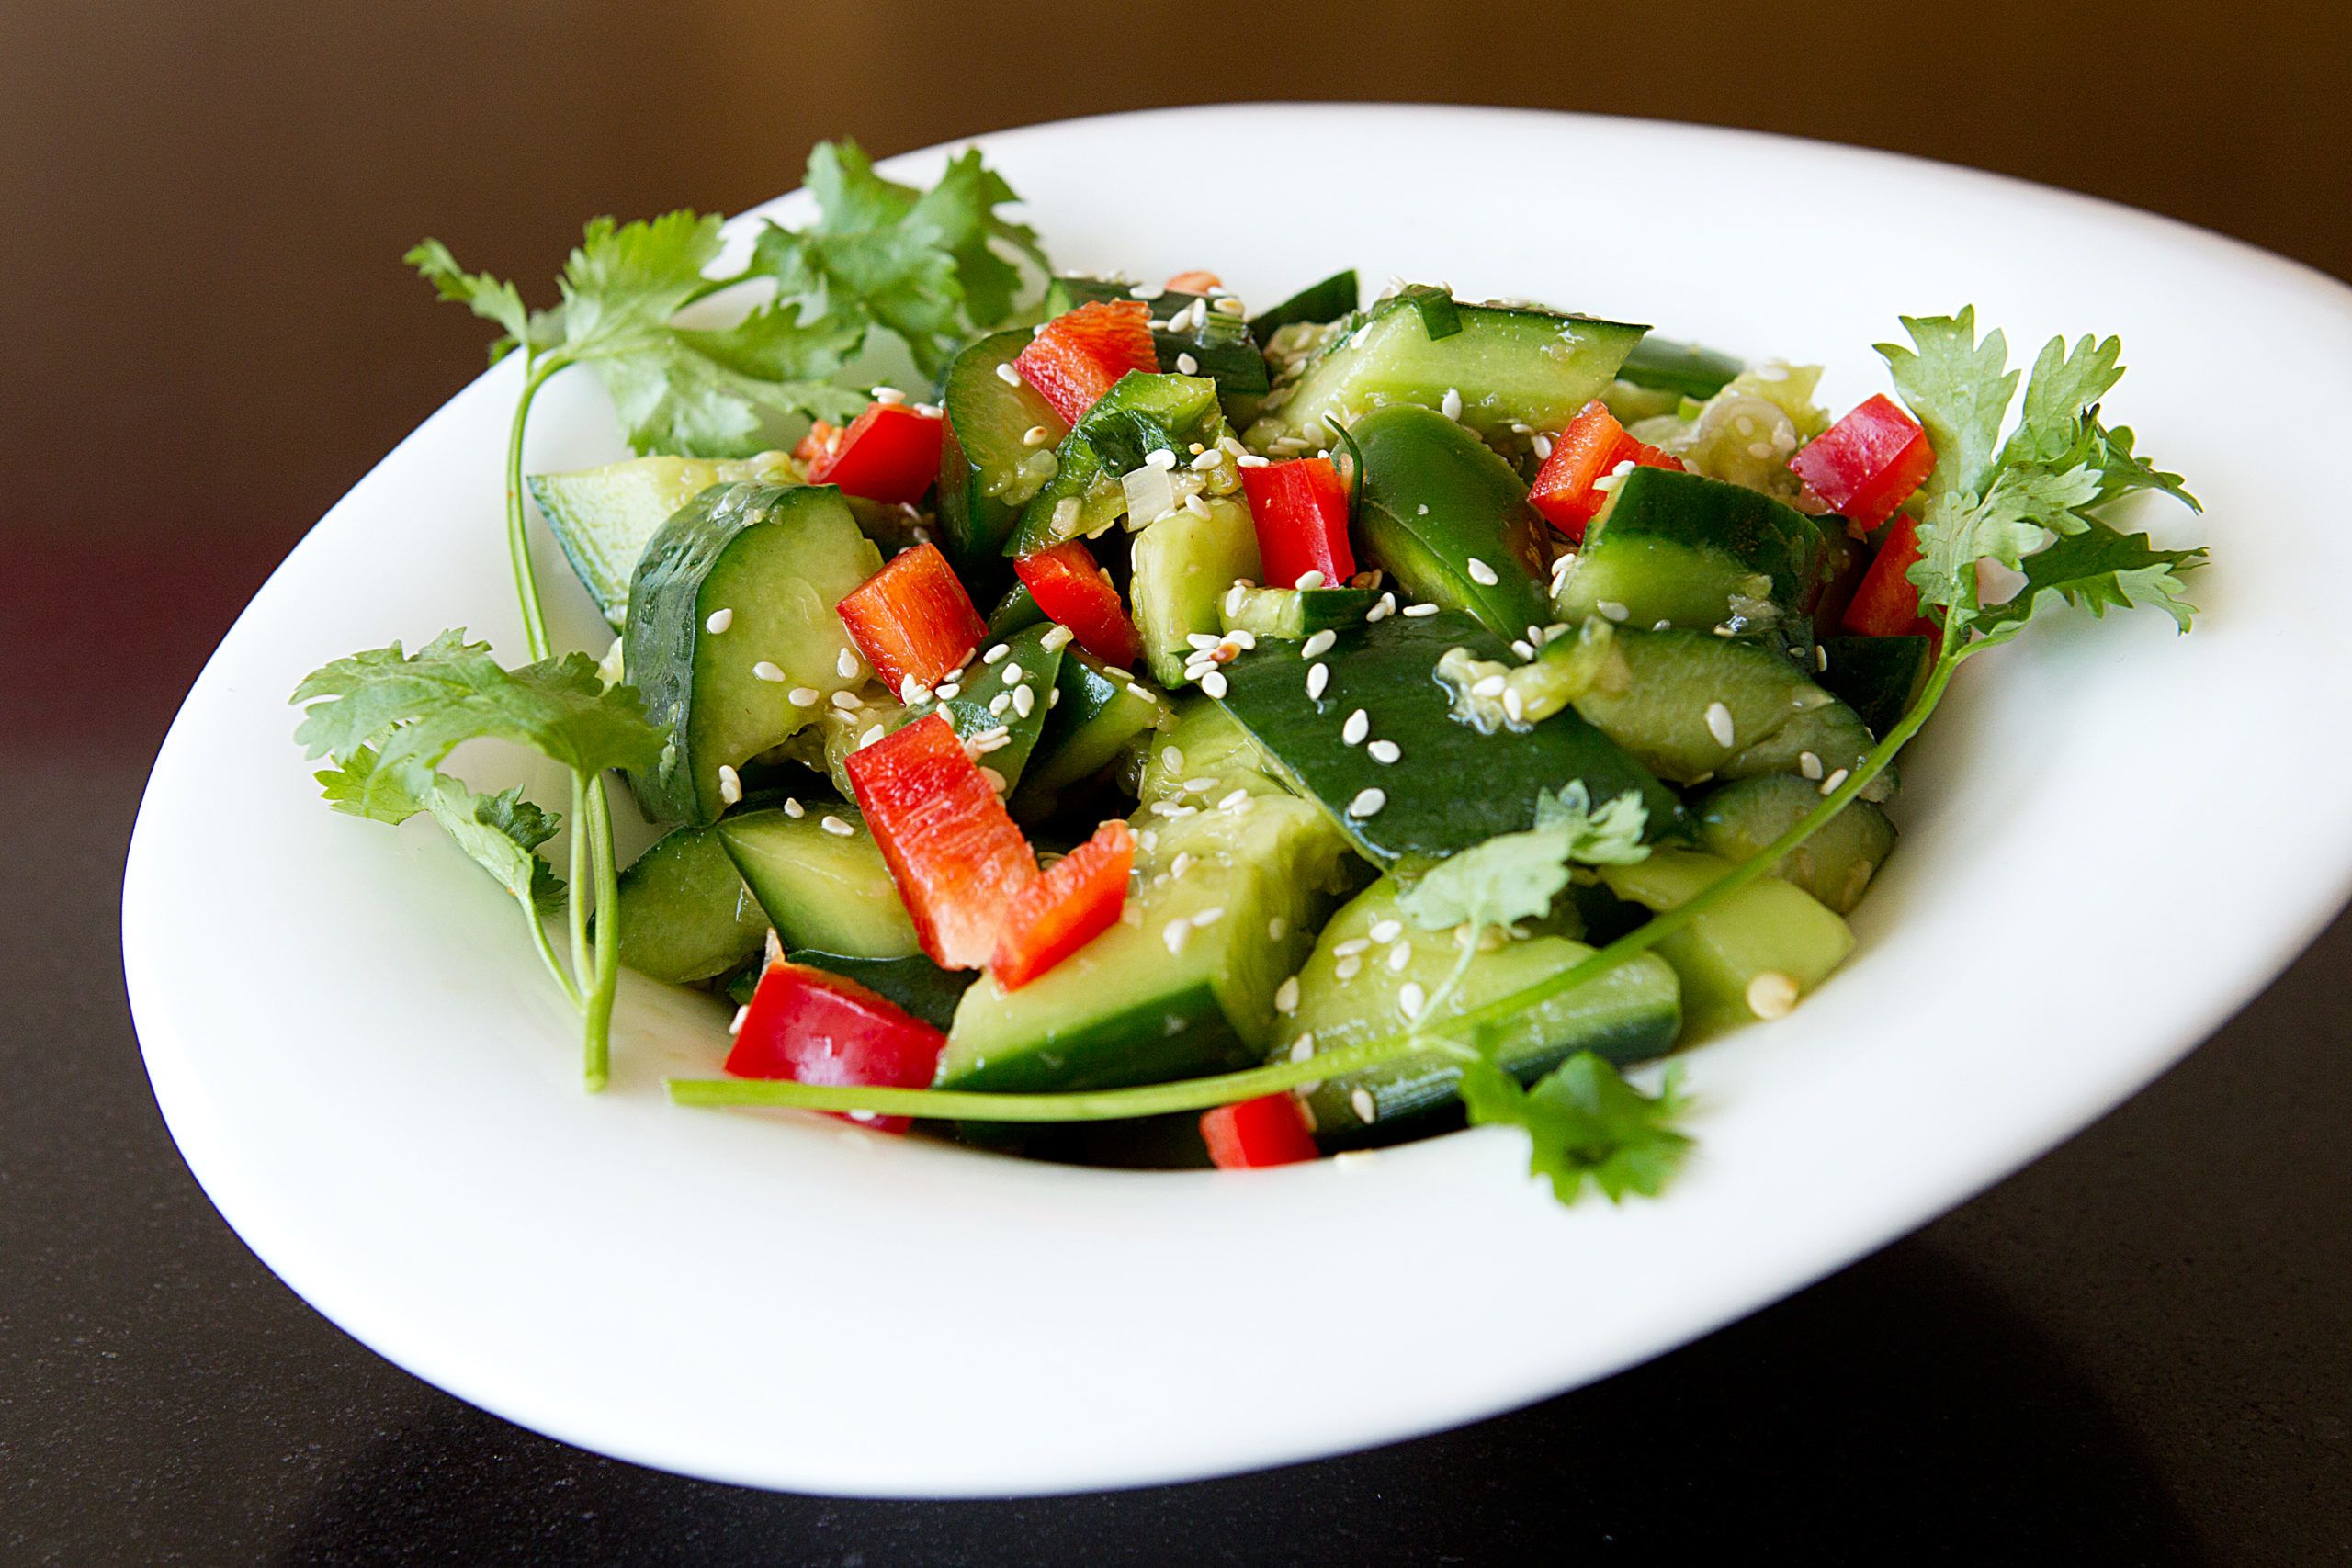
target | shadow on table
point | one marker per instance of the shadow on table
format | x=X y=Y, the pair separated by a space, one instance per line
x=1893 y=1414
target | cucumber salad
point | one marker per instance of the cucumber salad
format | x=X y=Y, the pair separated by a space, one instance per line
x=1097 y=718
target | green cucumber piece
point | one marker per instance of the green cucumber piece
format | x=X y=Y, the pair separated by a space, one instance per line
x=1184 y=564
x=684 y=913
x=1158 y=996
x=1507 y=365
x=823 y=745
x=1328 y=300
x=1685 y=369
x=1628 y=1015
x=1739 y=820
x=1878 y=677
x=915 y=985
x=1440 y=513
x=821 y=889
x=1694 y=552
x=1202 y=756
x=1099 y=711
x=769 y=563
x=1017 y=609
x=1140 y=415
x=603 y=517
x=1453 y=786
x=988 y=469
x=1217 y=343
x=1658 y=695
x=1751 y=956
x=988 y=693
x=1293 y=614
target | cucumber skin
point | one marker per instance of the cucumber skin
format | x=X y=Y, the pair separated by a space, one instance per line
x=975 y=520
x=1433 y=498
x=1750 y=534
x=1836 y=867
x=685 y=914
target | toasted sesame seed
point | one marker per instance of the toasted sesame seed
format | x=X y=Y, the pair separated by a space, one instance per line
x=888 y=395
x=1318 y=645
x=1726 y=630
x=1176 y=933
x=1829 y=785
x=1240 y=638
x=730 y=785
x=1024 y=701
x=1772 y=995
x=793 y=808
x=1367 y=802
x=1008 y=374
x=1318 y=676
x=1411 y=1000
x=1234 y=597
x=1226 y=305
x=1212 y=683
x=1482 y=574
x=835 y=826
x=1809 y=765
x=1384 y=751
x=1719 y=723
x=1358 y=725
x=1450 y=405
x=1419 y=610
x=996 y=737
x=1035 y=435
x=1488 y=686
x=1613 y=611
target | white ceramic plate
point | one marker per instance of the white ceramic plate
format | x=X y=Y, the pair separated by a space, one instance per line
x=377 y=1085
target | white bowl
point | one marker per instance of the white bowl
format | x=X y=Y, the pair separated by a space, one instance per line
x=377 y=1086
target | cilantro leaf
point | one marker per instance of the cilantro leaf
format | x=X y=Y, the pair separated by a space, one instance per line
x=502 y=833
x=1959 y=388
x=2122 y=472
x=2098 y=568
x=2019 y=514
x=1583 y=1122
x=492 y=299
x=1515 y=876
x=2063 y=391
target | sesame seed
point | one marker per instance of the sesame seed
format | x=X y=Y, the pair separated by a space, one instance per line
x=1234 y=801
x=1543 y=444
x=1186 y=365
x=1277 y=928
x=997 y=780
x=993 y=654
x=1197 y=506
x=1351 y=947
x=948 y=692
x=1417 y=611
x=1160 y=457
x=1384 y=751
x=1488 y=686
x=1829 y=785
x=1176 y=933
x=1612 y=610
x=870 y=736
x=1201 y=639
x=1726 y=630
x=793 y=808
x=1522 y=647
x=1172 y=758
x=911 y=691
x=1035 y=435
x=1809 y=764
x=848 y=701
x=1358 y=725
x=1240 y=638
x=1286 y=1002
x=1208 y=916
x=1772 y=995
x=835 y=826
x=1234 y=597
x=1367 y=802
x=1514 y=708
x=1398 y=956
x=996 y=737
x=1008 y=374
x=766 y=671
x=1360 y=1101
x=1201 y=786
x=1205 y=458
x=741 y=1014
x=1719 y=723
x=845 y=665
x=1010 y=674
x=1411 y=1000
x=1347 y=968
x=1212 y=683
x=1226 y=306
x=718 y=621
x=1759 y=449
x=1301 y=1048
x=1318 y=676
x=1318 y=645
x=1820 y=657
x=1251 y=460
x=1054 y=699
x=1661 y=626
x=997 y=704
x=730 y=785
x=888 y=395
x=1024 y=701
x=1382 y=611
x=1310 y=578
x=1450 y=405
x=1482 y=574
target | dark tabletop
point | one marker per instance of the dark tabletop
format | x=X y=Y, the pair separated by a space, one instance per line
x=2138 y=1350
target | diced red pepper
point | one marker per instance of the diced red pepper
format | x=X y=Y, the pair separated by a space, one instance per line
x=1885 y=604
x=890 y=453
x=913 y=617
x=818 y=445
x=812 y=1026
x=1193 y=282
x=1568 y=488
x=954 y=852
x=1255 y=1133
x=1077 y=357
x=1077 y=899
x=1867 y=463
x=1073 y=591
x=1300 y=509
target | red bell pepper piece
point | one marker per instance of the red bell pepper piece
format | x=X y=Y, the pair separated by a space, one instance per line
x=1193 y=282
x=1073 y=591
x=1575 y=480
x=1300 y=509
x=1076 y=358
x=1885 y=604
x=818 y=445
x=1268 y=1130
x=954 y=852
x=890 y=453
x=913 y=618
x=1867 y=463
x=812 y=1026
x=1077 y=899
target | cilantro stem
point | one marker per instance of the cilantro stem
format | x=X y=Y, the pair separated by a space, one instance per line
x=1204 y=1093
x=548 y=955
x=536 y=374
x=599 y=1010
x=575 y=910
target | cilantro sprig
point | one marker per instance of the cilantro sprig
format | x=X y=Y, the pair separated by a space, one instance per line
x=2031 y=502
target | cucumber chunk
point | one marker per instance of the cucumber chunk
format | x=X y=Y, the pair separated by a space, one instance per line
x=1017 y=609
x=1628 y=1015
x=1698 y=553
x=1451 y=786
x=820 y=889
x=1184 y=564
x=686 y=915
x=603 y=517
x=1328 y=300
x=1507 y=367
x=1202 y=757
x=1293 y=614
x=1751 y=956
x=1686 y=369
x=1100 y=711
x=989 y=467
x=1878 y=677
x=743 y=578
x=1449 y=519
x=1140 y=415
x=1184 y=983
x=1835 y=865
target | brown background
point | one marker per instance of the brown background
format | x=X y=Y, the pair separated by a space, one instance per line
x=2135 y=1351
